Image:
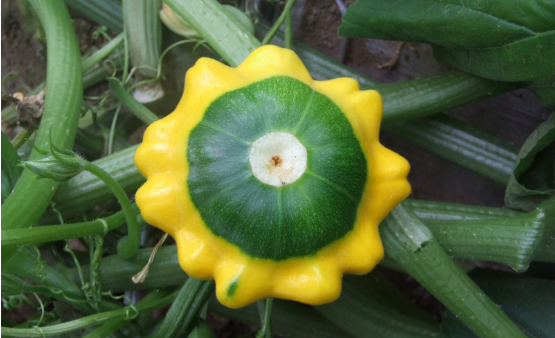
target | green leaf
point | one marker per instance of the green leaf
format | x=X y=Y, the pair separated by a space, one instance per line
x=10 y=170
x=533 y=179
x=528 y=301
x=509 y=40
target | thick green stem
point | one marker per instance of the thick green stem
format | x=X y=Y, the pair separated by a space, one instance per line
x=128 y=246
x=191 y=298
x=144 y=34
x=514 y=241
x=61 y=111
x=461 y=144
x=412 y=245
x=223 y=33
x=430 y=95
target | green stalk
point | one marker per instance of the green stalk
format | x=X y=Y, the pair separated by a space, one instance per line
x=144 y=34
x=288 y=30
x=223 y=33
x=442 y=211
x=275 y=27
x=412 y=245
x=430 y=95
x=61 y=111
x=265 y=314
x=104 y=12
x=113 y=325
x=21 y=137
x=127 y=246
x=461 y=144
x=514 y=241
x=51 y=233
x=127 y=313
x=137 y=108
x=191 y=298
x=102 y=53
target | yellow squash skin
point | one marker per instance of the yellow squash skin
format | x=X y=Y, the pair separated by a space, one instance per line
x=165 y=202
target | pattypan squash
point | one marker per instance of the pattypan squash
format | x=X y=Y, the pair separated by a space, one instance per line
x=270 y=182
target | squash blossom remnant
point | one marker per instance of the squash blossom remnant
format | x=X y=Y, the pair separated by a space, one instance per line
x=270 y=182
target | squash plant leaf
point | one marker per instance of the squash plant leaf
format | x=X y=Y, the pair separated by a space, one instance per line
x=533 y=179
x=510 y=40
x=10 y=170
x=530 y=302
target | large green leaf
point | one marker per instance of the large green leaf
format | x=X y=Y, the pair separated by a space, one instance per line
x=508 y=40
x=533 y=178
x=530 y=302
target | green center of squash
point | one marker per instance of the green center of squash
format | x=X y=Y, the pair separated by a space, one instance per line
x=276 y=221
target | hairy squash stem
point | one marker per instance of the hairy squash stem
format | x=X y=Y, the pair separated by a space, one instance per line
x=61 y=112
x=460 y=144
x=413 y=246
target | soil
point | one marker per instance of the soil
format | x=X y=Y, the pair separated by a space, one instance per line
x=23 y=61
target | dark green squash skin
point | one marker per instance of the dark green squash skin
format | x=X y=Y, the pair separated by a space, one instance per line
x=270 y=222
